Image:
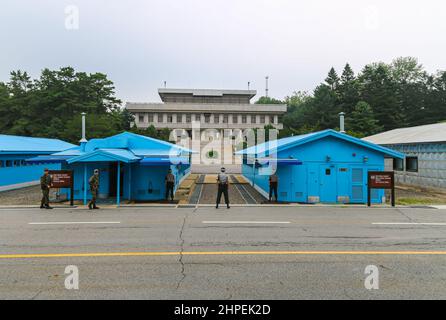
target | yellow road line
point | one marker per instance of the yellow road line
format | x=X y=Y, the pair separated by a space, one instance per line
x=213 y=253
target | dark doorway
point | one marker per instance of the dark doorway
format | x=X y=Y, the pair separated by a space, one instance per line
x=113 y=170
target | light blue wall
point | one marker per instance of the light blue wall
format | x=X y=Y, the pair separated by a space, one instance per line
x=21 y=172
x=344 y=175
x=143 y=183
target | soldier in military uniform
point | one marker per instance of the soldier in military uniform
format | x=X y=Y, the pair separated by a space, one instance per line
x=94 y=188
x=170 y=185
x=223 y=182
x=45 y=185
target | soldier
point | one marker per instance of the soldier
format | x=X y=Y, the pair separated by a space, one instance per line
x=45 y=185
x=273 y=182
x=94 y=188
x=170 y=184
x=223 y=182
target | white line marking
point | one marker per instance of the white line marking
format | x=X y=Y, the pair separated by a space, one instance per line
x=246 y=222
x=75 y=222
x=411 y=223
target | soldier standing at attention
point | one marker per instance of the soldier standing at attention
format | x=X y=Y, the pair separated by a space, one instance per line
x=45 y=185
x=94 y=188
x=170 y=184
x=223 y=182
x=273 y=182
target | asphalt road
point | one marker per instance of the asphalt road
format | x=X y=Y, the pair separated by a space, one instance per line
x=241 y=253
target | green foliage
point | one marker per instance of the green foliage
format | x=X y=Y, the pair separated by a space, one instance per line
x=268 y=100
x=361 y=122
x=50 y=106
x=151 y=131
x=381 y=97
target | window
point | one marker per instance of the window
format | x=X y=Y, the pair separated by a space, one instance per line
x=23 y=162
x=225 y=118
x=141 y=118
x=179 y=118
x=217 y=118
x=8 y=163
x=235 y=118
x=253 y=118
x=160 y=117
x=398 y=164
x=243 y=118
x=327 y=172
x=412 y=164
x=198 y=117
x=188 y=118
x=262 y=119
x=2 y=163
x=207 y=118
x=150 y=118
x=16 y=163
x=169 y=118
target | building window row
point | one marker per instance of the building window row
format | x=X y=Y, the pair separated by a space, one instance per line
x=207 y=118
x=411 y=164
x=15 y=163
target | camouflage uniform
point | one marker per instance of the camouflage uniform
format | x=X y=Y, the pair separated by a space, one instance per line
x=94 y=188
x=45 y=184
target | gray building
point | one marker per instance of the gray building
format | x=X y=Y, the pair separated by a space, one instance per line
x=213 y=109
x=425 y=150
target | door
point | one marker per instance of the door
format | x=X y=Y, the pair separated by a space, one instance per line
x=327 y=183
x=359 y=190
x=286 y=185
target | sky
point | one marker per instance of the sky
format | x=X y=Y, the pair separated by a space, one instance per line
x=218 y=44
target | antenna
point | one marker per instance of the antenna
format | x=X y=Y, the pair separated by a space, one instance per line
x=249 y=84
x=165 y=84
x=266 y=88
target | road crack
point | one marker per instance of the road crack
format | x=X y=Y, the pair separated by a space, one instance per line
x=180 y=259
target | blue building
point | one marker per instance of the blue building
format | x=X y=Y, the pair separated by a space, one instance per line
x=131 y=166
x=325 y=166
x=15 y=171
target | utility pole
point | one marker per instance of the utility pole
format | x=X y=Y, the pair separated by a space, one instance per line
x=266 y=87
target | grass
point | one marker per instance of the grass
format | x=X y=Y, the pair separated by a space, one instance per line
x=423 y=201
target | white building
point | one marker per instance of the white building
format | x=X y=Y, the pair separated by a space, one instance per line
x=214 y=109
x=425 y=150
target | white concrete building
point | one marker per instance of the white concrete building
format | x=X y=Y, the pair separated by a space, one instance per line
x=214 y=109
x=425 y=150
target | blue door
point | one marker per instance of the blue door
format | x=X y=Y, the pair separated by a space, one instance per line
x=359 y=188
x=327 y=183
x=286 y=183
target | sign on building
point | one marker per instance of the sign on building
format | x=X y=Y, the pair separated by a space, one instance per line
x=381 y=180
x=63 y=179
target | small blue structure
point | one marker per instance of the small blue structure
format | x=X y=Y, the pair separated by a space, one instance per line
x=131 y=166
x=325 y=166
x=15 y=171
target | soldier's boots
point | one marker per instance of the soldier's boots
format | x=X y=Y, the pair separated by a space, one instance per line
x=48 y=207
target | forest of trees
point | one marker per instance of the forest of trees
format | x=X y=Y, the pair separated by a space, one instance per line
x=381 y=97
x=51 y=106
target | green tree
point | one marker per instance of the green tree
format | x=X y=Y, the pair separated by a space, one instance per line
x=361 y=122
x=268 y=100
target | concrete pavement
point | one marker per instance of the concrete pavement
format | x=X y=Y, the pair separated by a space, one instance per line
x=244 y=253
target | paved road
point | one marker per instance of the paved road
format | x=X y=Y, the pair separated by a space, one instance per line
x=249 y=253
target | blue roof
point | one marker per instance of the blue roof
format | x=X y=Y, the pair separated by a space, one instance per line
x=126 y=147
x=131 y=141
x=19 y=144
x=289 y=142
x=99 y=155
x=154 y=161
